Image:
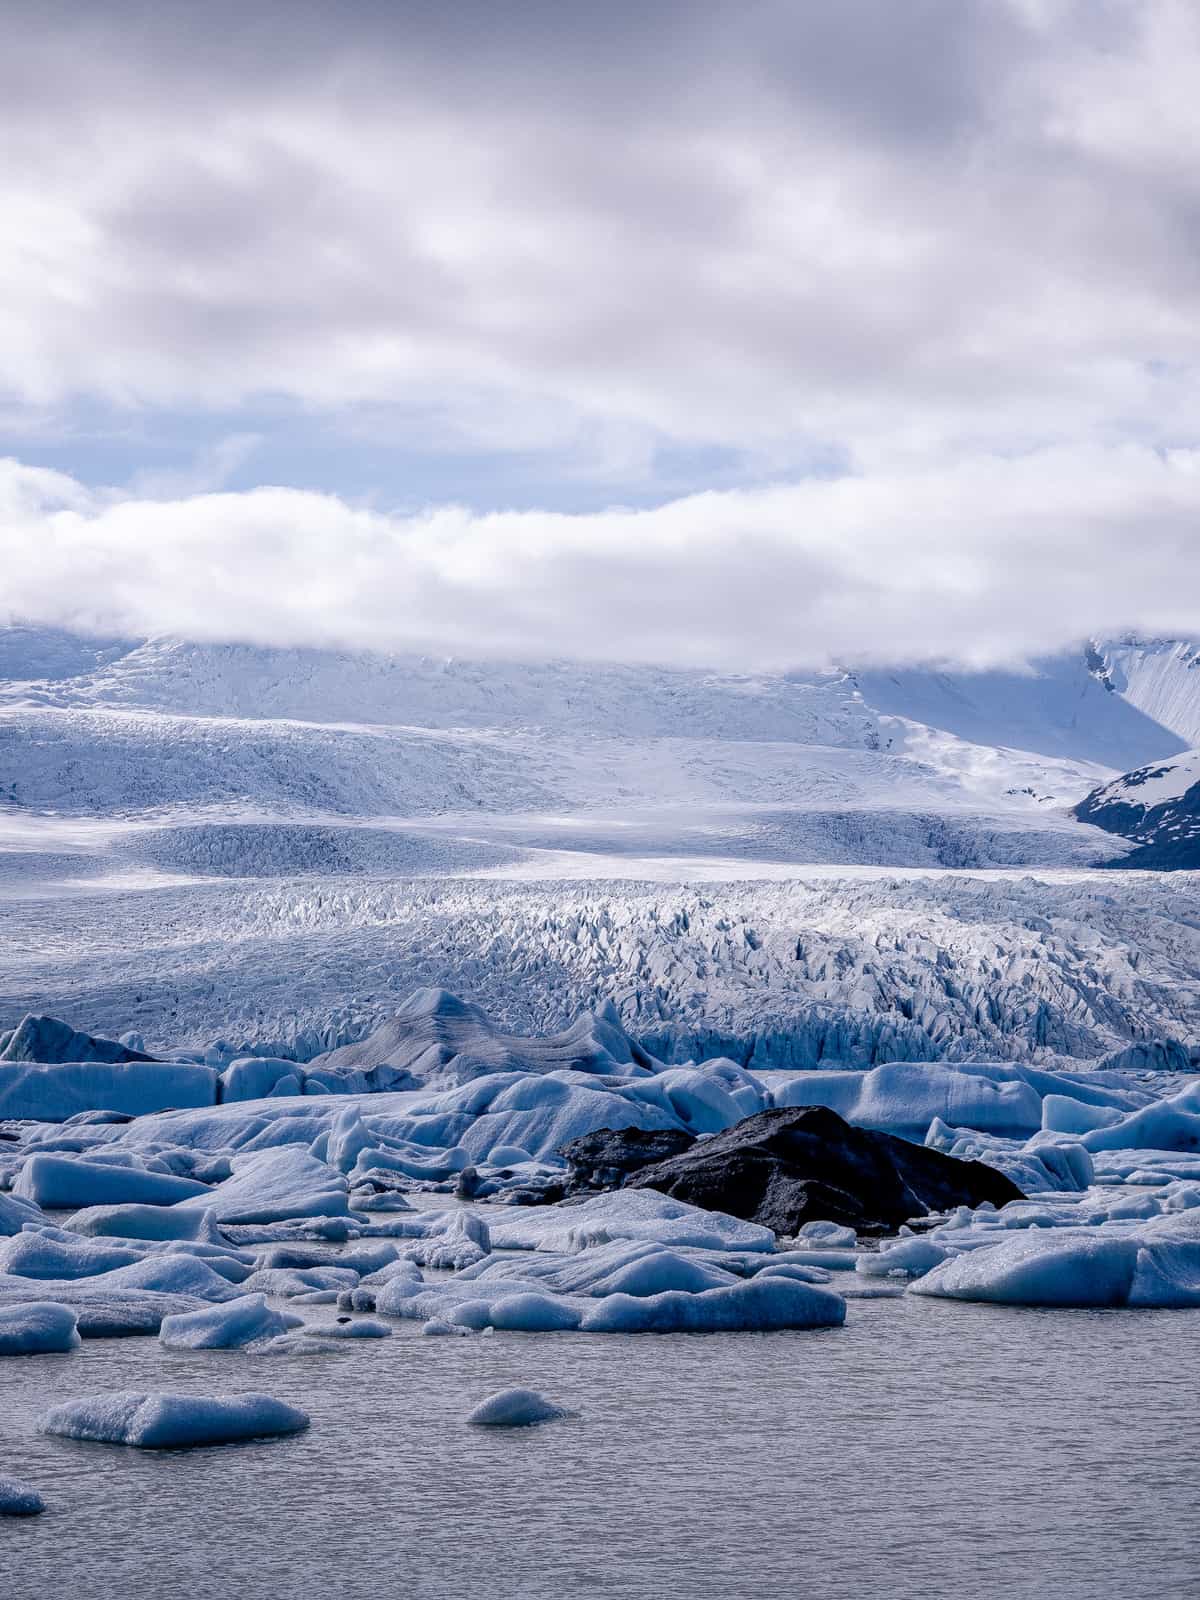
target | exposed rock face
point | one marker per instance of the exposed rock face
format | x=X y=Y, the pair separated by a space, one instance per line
x=1158 y=807
x=606 y=1158
x=786 y=1167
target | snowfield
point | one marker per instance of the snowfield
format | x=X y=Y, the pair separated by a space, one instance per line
x=274 y=848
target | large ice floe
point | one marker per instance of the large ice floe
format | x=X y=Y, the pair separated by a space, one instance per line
x=172 y=1421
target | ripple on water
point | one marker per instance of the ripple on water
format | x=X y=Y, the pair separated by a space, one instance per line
x=926 y=1449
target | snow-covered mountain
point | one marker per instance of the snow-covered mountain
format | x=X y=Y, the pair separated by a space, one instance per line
x=1157 y=807
x=278 y=846
x=906 y=768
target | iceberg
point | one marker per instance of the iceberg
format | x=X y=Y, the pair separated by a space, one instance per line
x=146 y=1222
x=276 y=1185
x=244 y=1321
x=350 y=1328
x=19 y=1500
x=515 y=1408
x=158 y=1421
x=628 y=1214
x=66 y=1183
x=37 y=1327
x=1112 y=1264
x=54 y=1093
x=762 y=1305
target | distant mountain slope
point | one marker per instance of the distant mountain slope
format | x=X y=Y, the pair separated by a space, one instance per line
x=335 y=686
x=1070 y=706
x=1157 y=807
x=1161 y=678
x=907 y=768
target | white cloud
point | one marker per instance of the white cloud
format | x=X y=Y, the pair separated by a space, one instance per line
x=982 y=561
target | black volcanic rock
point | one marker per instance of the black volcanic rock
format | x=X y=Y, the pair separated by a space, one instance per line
x=605 y=1159
x=794 y=1165
x=1158 y=808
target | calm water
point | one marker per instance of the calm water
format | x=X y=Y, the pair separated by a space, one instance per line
x=925 y=1450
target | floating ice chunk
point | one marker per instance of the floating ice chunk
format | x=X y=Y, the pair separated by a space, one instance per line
x=761 y=1305
x=276 y=1185
x=793 y=1269
x=287 y=1282
x=173 y=1274
x=59 y=1181
x=628 y=1214
x=246 y=1320
x=462 y=1240
x=19 y=1500
x=45 y=1254
x=907 y=1258
x=1113 y=1264
x=104 y=1310
x=401 y=1268
x=37 y=1327
x=658 y=1270
x=1170 y=1125
x=362 y=1258
x=55 y=1093
x=515 y=1408
x=529 y=1313
x=157 y=1421
x=15 y=1212
x=256 y=1077
x=508 y=1155
x=147 y=1222
x=1046 y=1161
x=371 y=1200
x=1064 y=1114
x=332 y=1230
x=50 y=1040
x=343 y=1143
x=436 y=1325
x=905 y=1097
x=828 y=1235
x=350 y=1328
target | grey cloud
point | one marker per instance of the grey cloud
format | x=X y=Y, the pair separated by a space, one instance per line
x=905 y=235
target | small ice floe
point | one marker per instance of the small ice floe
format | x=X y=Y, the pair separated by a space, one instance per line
x=69 y=1181
x=828 y=1236
x=157 y=1421
x=244 y=1321
x=350 y=1328
x=37 y=1327
x=147 y=1222
x=19 y=1500
x=1156 y=1263
x=515 y=1408
x=438 y=1326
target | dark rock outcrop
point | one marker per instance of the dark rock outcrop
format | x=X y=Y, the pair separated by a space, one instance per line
x=1158 y=808
x=794 y=1165
x=605 y=1159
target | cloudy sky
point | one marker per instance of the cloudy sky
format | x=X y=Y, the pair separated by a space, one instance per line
x=750 y=334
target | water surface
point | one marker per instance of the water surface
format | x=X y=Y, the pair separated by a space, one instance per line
x=927 y=1449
